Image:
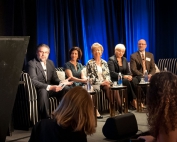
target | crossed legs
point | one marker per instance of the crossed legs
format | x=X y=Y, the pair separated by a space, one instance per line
x=107 y=91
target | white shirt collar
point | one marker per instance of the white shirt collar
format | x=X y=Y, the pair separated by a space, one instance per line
x=43 y=65
x=142 y=52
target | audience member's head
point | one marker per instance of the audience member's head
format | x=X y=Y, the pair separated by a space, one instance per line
x=75 y=51
x=142 y=45
x=76 y=110
x=97 y=49
x=162 y=102
x=119 y=50
x=42 y=52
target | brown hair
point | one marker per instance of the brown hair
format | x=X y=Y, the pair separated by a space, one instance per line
x=76 y=110
x=78 y=50
x=162 y=103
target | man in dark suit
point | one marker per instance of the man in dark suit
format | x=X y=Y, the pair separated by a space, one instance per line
x=137 y=59
x=44 y=77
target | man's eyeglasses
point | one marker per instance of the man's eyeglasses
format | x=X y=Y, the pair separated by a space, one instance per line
x=141 y=44
x=43 y=52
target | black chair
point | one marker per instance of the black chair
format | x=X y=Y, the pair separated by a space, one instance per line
x=170 y=64
x=25 y=111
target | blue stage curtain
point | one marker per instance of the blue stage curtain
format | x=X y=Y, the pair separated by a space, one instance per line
x=139 y=24
x=63 y=24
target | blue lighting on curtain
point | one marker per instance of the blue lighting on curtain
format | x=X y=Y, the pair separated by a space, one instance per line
x=137 y=24
x=93 y=27
x=64 y=24
x=45 y=27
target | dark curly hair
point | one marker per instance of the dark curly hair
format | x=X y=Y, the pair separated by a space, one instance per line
x=78 y=50
x=162 y=103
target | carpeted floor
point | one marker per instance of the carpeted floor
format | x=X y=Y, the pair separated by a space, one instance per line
x=23 y=136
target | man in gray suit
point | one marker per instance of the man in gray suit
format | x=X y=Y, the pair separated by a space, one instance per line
x=137 y=59
x=44 y=77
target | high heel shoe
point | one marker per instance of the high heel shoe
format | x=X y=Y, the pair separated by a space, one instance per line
x=120 y=110
x=143 y=106
x=100 y=117
x=131 y=107
x=134 y=103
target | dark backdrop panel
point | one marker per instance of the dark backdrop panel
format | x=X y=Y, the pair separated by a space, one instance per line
x=166 y=29
x=12 y=54
x=18 y=18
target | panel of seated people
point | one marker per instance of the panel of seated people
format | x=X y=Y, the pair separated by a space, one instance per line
x=102 y=102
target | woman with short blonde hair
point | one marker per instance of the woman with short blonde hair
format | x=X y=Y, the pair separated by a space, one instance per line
x=118 y=64
x=98 y=71
x=97 y=45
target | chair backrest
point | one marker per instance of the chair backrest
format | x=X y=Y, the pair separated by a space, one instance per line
x=25 y=112
x=32 y=97
x=61 y=73
x=170 y=64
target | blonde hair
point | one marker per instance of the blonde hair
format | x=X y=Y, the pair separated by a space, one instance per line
x=120 y=46
x=76 y=111
x=97 y=45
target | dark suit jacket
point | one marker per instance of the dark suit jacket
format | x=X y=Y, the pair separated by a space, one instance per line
x=37 y=74
x=136 y=64
x=114 y=67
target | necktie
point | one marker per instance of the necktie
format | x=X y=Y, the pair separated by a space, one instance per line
x=143 y=61
x=45 y=70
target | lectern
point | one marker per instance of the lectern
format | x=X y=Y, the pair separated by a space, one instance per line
x=12 y=55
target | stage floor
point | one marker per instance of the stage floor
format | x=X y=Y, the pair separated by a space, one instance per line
x=23 y=136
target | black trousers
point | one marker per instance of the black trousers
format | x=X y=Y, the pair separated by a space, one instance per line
x=43 y=100
x=144 y=90
x=131 y=88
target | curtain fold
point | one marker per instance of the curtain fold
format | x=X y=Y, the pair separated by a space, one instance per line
x=63 y=24
x=139 y=24
x=67 y=23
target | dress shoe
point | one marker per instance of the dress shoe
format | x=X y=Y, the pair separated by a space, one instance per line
x=143 y=106
x=131 y=107
x=134 y=103
x=100 y=117
x=119 y=110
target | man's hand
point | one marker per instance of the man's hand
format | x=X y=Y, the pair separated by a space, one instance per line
x=55 y=88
